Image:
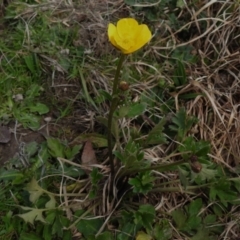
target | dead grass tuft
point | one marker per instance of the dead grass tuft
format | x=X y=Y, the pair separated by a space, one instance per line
x=215 y=40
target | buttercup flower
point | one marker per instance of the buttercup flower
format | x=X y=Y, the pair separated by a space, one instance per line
x=128 y=36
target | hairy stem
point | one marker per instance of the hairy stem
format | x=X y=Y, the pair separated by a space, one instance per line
x=112 y=109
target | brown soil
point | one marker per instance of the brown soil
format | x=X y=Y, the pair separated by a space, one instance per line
x=12 y=148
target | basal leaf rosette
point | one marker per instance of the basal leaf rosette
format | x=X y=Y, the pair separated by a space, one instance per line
x=128 y=35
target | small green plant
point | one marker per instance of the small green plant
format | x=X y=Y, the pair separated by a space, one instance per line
x=142 y=183
x=96 y=176
x=125 y=37
x=191 y=221
x=182 y=124
x=132 y=221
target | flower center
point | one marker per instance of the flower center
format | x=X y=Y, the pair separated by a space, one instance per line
x=127 y=43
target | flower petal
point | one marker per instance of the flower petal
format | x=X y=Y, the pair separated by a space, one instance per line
x=142 y=37
x=127 y=27
x=112 y=30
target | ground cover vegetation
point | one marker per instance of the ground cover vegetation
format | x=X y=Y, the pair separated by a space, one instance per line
x=172 y=171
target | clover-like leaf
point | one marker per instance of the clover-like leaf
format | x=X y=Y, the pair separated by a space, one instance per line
x=32 y=215
x=40 y=108
x=34 y=190
x=132 y=110
x=51 y=203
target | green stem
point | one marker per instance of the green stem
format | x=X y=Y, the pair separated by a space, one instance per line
x=160 y=168
x=188 y=189
x=89 y=210
x=112 y=109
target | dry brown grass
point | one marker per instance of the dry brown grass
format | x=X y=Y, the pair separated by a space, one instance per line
x=216 y=76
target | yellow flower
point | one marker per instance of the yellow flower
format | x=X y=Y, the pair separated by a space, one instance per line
x=128 y=36
x=143 y=236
